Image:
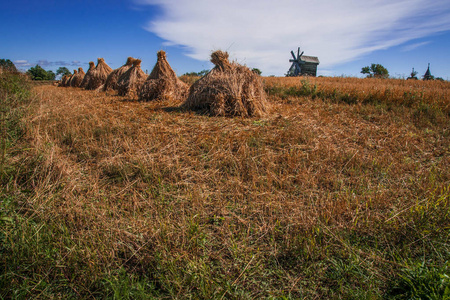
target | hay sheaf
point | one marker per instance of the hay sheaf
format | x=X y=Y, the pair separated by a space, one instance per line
x=64 y=80
x=88 y=75
x=69 y=82
x=77 y=78
x=98 y=75
x=130 y=82
x=113 y=77
x=229 y=89
x=163 y=83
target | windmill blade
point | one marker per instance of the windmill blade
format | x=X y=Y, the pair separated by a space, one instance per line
x=298 y=53
x=291 y=70
x=293 y=55
x=297 y=68
x=301 y=53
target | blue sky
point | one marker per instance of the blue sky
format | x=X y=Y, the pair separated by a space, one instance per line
x=345 y=34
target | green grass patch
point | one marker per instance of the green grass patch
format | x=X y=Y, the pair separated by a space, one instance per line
x=321 y=200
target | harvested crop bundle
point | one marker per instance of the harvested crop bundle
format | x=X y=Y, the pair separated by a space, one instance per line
x=77 y=78
x=88 y=75
x=229 y=89
x=113 y=77
x=130 y=82
x=69 y=82
x=98 y=75
x=162 y=82
x=64 y=80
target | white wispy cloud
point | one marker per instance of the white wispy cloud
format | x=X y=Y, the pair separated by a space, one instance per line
x=21 y=64
x=46 y=63
x=25 y=64
x=261 y=33
x=411 y=47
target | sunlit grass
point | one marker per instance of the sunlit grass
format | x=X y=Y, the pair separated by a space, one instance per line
x=323 y=198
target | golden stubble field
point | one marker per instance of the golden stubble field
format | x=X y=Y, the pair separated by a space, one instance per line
x=230 y=207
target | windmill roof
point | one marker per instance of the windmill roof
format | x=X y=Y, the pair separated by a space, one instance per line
x=310 y=59
x=428 y=73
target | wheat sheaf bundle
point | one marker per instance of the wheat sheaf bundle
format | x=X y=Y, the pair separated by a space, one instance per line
x=131 y=81
x=64 y=80
x=229 y=89
x=163 y=83
x=113 y=77
x=88 y=75
x=98 y=75
x=69 y=82
x=77 y=78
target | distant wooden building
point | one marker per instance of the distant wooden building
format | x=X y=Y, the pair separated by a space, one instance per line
x=428 y=75
x=303 y=65
x=413 y=75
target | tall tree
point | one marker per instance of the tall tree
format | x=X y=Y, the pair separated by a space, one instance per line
x=375 y=70
x=38 y=73
x=63 y=71
x=8 y=65
x=50 y=75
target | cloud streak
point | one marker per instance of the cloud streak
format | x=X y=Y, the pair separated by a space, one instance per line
x=25 y=64
x=46 y=63
x=414 y=46
x=261 y=33
x=21 y=64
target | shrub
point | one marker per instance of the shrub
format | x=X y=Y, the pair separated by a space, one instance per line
x=422 y=282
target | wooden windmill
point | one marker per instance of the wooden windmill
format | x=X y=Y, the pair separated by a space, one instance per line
x=296 y=67
x=302 y=65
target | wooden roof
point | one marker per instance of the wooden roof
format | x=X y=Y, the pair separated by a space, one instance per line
x=427 y=73
x=310 y=59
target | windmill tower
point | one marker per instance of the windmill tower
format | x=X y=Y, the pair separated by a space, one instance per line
x=303 y=65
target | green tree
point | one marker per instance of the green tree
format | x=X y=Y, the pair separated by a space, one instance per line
x=375 y=70
x=257 y=71
x=63 y=71
x=50 y=75
x=8 y=65
x=201 y=73
x=38 y=73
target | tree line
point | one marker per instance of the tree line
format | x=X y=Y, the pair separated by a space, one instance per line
x=38 y=73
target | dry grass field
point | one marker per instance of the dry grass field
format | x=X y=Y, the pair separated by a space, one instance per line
x=341 y=191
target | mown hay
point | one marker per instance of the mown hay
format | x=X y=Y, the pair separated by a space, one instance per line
x=113 y=77
x=229 y=89
x=163 y=83
x=88 y=75
x=77 y=78
x=98 y=75
x=131 y=81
